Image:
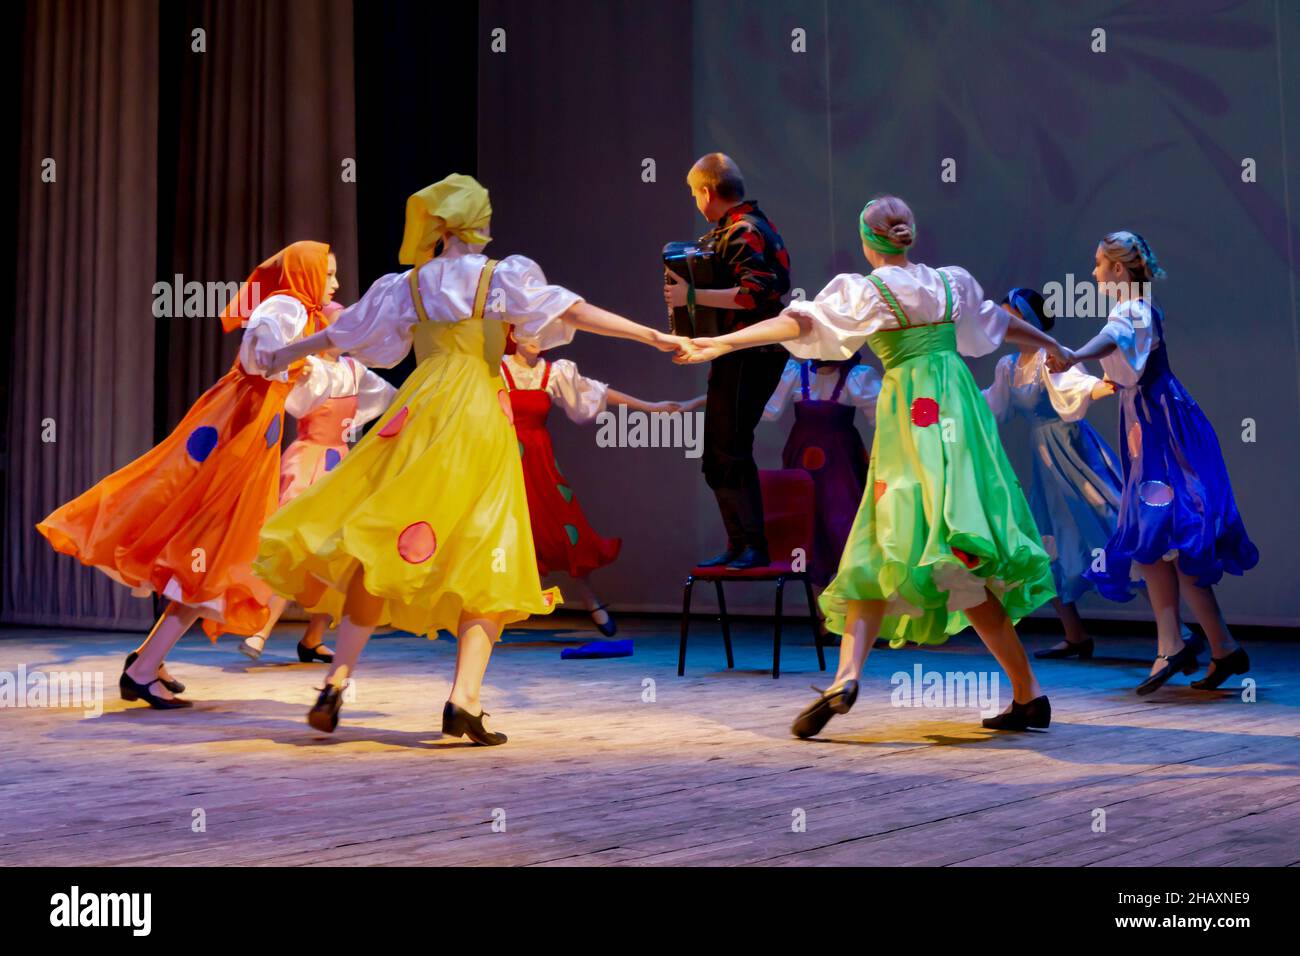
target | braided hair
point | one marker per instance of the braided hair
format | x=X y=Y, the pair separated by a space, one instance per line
x=1134 y=253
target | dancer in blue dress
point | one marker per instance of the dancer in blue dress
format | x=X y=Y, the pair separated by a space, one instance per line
x=1075 y=482
x=1178 y=520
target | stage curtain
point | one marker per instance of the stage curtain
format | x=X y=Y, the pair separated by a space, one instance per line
x=254 y=135
x=171 y=160
x=82 y=386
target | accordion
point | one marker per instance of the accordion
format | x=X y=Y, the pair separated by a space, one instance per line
x=697 y=263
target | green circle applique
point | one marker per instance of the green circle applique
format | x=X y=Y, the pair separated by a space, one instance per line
x=565 y=492
x=521 y=449
x=572 y=532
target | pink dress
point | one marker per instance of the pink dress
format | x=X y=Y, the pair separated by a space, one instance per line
x=328 y=417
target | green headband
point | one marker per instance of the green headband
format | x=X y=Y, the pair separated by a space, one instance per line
x=874 y=239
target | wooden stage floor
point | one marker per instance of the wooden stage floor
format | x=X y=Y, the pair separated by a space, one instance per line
x=595 y=774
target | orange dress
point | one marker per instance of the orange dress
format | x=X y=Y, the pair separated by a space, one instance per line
x=183 y=519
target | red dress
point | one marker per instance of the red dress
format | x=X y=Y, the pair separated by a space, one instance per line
x=563 y=538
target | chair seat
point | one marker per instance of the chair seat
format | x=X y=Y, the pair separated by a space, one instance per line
x=769 y=571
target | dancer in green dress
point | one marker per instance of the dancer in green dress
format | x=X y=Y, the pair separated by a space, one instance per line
x=943 y=537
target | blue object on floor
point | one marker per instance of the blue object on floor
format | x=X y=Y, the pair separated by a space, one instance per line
x=597 y=649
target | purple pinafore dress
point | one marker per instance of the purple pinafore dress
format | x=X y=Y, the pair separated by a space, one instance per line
x=826 y=443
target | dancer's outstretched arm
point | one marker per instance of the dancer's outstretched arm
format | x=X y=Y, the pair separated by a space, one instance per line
x=1097 y=347
x=282 y=358
x=592 y=318
x=1020 y=332
x=779 y=328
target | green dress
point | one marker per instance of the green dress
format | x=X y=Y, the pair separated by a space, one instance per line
x=943 y=516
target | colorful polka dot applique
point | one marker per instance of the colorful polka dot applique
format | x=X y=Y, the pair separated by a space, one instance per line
x=417 y=542
x=925 y=412
x=565 y=492
x=394 y=424
x=273 y=431
x=201 y=442
x=1157 y=494
x=332 y=458
x=572 y=532
x=813 y=458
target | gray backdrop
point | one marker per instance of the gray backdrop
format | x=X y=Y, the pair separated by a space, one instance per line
x=1054 y=145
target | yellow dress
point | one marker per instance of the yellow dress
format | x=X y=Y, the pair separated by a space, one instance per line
x=431 y=502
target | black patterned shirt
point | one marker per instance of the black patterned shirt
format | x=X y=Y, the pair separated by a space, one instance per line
x=751 y=250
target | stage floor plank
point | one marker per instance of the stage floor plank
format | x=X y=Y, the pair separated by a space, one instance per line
x=597 y=773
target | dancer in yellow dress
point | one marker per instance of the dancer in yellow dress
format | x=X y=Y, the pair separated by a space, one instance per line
x=424 y=525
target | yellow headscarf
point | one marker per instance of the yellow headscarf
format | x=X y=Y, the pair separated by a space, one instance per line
x=457 y=205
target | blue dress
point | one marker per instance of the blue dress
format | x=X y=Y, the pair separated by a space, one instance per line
x=1177 y=497
x=1075 y=482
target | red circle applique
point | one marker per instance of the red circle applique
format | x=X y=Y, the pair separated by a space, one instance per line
x=394 y=424
x=879 y=490
x=969 y=560
x=504 y=398
x=813 y=458
x=925 y=412
x=417 y=542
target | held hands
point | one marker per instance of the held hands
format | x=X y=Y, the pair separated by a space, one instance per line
x=1059 y=359
x=1103 y=389
x=697 y=351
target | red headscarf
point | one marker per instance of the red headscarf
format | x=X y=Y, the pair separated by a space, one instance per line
x=299 y=270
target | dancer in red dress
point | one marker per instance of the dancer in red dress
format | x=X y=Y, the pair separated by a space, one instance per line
x=564 y=539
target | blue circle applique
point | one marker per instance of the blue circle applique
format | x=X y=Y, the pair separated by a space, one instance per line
x=201 y=442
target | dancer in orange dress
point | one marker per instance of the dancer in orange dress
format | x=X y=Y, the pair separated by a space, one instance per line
x=330 y=412
x=183 y=519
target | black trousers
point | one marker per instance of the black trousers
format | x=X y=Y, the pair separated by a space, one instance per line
x=739 y=386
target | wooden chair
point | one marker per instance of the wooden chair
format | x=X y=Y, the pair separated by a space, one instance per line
x=788 y=503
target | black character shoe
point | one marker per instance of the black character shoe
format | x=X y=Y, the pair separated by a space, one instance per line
x=750 y=558
x=816 y=715
x=1222 y=668
x=718 y=560
x=1184 y=660
x=609 y=628
x=318 y=653
x=175 y=686
x=324 y=715
x=132 y=691
x=458 y=722
x=1080 y=649
x=1036 y=714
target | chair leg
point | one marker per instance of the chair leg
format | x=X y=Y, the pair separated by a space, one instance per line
x=686 y=623
x=726 y=623
x=776 y=632
x=816 y=625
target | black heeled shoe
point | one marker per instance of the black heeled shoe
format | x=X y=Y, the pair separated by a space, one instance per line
x=609 y=628
x=308 y=654
x=324 y=714
x=175 y=686
x=1037 y=714
x=459 y=722
x=1080 y=649
x=130 y=690
x=1184 y=660
x=816 y=715
x=1224 y=667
